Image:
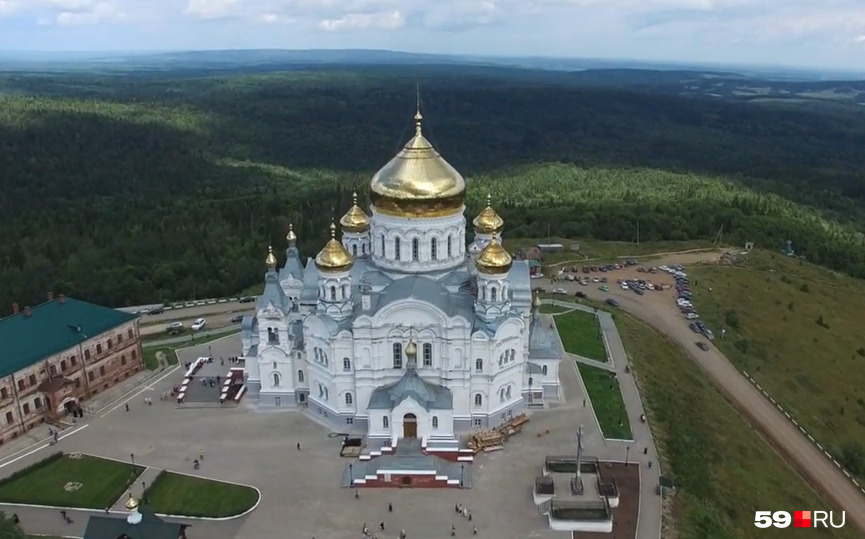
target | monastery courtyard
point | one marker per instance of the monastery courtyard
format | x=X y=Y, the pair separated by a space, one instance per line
x=301 y=493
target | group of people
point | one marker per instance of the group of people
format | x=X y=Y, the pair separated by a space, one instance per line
x=467 y=514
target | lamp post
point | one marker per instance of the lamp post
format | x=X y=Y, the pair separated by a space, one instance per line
x=143 y=492
x=627 y=454
x=132 y=458
x=350 y=475
x=462 y=471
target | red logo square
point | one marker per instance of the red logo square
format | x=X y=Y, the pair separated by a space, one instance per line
x=802 y=519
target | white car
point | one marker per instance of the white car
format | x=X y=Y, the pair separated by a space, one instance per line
x=692 y=316
x=625 y=286
x=198 y=324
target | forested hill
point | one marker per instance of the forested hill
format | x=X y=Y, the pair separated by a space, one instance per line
x=135 y=188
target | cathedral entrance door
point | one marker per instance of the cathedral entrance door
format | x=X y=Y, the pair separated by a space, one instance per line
x=409 y=426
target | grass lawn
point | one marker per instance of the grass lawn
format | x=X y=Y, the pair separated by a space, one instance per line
x=553 y=309
x=606 y=396
x=797 y=329
x=724 y=471
x=581 y=334
x=176 y=494
x=102 y=482
x=149 y=355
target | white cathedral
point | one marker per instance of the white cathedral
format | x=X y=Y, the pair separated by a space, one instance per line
x=398 y=328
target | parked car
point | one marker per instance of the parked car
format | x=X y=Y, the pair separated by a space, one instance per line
x=692 y=316
x=247 y=299
x=237 y=319
x=702 y=346
x=612 y=302
x=580 y=294
x=156 y=310
x=694 y=327
x=198 y=324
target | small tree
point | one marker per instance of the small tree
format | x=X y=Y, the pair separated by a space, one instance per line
x=9 y=529
x=732 y=319
x=853 y=457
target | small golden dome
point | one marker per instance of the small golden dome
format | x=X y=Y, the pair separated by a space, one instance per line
x=418 y=182
x=494 y=260
x=291 y=236
x=131 y=503
x=270 y=261
x=488 y=221
x=355 y=219
x=411 y=349
x=333 y=258
x=536 y=303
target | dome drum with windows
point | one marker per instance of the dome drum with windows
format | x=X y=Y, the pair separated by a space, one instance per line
x=418 y=182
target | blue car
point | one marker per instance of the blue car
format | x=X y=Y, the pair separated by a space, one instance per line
x=612 y=302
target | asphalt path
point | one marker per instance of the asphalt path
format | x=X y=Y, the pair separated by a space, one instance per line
x=658 y=310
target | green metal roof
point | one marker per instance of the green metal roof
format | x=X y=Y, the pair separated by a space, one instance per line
x=52 y=327
x=115 y=527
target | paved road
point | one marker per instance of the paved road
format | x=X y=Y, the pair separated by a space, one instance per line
x=809 y=461
x=186 y=338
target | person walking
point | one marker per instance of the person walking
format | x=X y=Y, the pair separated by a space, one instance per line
x=201 y=455
x=474 y=530
x=390 y=508
x=127 y=406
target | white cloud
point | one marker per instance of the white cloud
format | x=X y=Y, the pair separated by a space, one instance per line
x=389 y=20
x=8 y=7
x=213 y=9
x=78 y=12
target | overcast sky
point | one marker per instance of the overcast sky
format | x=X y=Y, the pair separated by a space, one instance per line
x=817 y=33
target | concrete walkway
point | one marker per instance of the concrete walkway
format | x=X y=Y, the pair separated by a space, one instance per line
x=145 y=480
x=649 y=526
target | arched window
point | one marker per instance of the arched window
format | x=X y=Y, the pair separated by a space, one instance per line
x=396 y=253
x=354 y=250
x=435 y=422
x=320 y=391
x=415 y=249
x=502 y=394
x=326 y=394
x=508 y=392
x=450 y=247
x=346 y=364
x=332 y=293
x=276 y=379
x=479 y=364
x=275 y=365
x=544 y=369
x=382 y=245
x=397 y=355
x=493 y=294
x=348 y=399
x=479 y=399
x=433 y=249
x=427 y=354
x=300 y=376
x=384 y=422
x=344 y=291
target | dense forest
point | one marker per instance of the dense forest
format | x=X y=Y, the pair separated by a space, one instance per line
x=143 y=187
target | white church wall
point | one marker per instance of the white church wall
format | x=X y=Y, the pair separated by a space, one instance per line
x=387 y=231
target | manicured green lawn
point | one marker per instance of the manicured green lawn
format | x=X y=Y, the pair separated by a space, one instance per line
x=552 y=309
x=176 y=494
x=53 y=481
x=581 y=335
x=607 y=402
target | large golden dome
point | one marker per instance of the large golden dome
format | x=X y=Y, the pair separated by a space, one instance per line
x=488 y=221
x=354 y=220
x=418 y=182
x=333 y=258
x=494 y=260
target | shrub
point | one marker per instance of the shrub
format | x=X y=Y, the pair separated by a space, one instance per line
x=804 y=288
x=33 y=467
x=852 y=457
x=732 y=319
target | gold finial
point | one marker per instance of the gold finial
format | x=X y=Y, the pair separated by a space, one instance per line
x=131 y=503
x=418 y=117
x=270 y=261
x=411 y=349
x=332 y=230
x=291 y=236
x=489 y=200
x=354 y=197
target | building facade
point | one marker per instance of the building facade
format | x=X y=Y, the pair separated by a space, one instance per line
x=400 y=327
x=58 y=354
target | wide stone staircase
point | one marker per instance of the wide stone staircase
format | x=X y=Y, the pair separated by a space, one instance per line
x=199 y=395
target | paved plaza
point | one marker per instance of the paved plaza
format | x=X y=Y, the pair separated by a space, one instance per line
x=301 y=490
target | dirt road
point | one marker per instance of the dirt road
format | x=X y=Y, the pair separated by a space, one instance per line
x=658 y=310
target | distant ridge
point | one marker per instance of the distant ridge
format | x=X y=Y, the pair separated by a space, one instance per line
x=272 y=59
